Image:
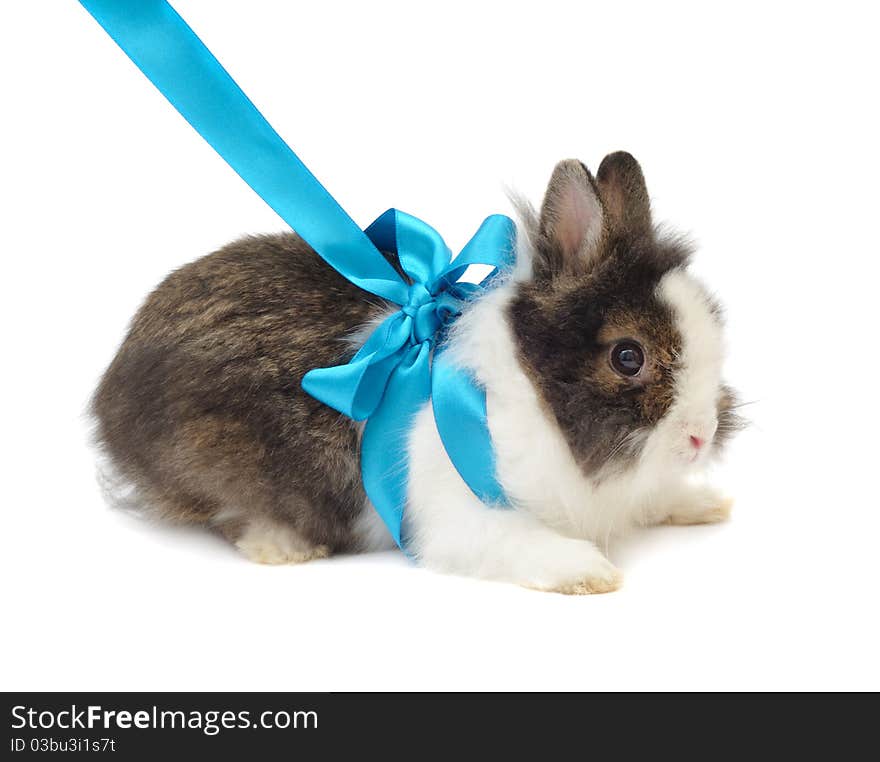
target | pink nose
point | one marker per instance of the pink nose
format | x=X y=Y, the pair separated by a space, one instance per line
x=697 y=442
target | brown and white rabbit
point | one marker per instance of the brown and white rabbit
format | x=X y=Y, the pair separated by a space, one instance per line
x=600 y=355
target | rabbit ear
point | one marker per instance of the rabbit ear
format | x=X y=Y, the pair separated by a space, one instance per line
x=624 y=193
x=570 y=224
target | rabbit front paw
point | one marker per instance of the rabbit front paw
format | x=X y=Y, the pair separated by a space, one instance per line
x=703 y=505
x=591 y=574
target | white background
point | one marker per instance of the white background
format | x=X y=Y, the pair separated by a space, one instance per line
x=757 y=128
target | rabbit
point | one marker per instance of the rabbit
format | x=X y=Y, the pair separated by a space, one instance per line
x=600 y=355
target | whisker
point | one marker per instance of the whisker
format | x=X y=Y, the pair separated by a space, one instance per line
x=743 y=404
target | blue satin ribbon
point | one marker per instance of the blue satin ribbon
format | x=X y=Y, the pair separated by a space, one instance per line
x=401 y=365
x=392 y=375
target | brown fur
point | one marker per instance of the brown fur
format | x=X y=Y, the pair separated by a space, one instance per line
x=202 y=408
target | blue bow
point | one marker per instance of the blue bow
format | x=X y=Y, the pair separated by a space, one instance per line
x=390 y=378
x=401 y=365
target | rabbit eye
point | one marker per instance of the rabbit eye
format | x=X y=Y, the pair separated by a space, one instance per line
x=627 y=358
